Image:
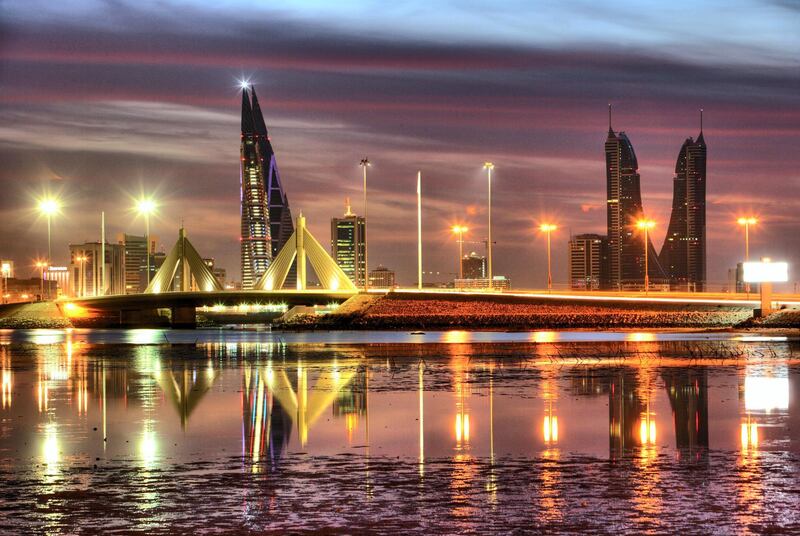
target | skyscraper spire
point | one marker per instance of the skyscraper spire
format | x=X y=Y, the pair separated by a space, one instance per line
x=700 y=139
x=247 y=113
x=258 y=117
x=610 y=130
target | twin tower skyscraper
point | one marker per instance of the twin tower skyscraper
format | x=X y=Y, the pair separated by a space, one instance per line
x=681 y=263
x=266 y=218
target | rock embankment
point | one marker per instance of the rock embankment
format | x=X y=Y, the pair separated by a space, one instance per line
x=32 y=315
x=405 y=311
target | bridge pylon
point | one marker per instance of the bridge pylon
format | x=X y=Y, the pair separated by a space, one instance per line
x=300 y=247
x=193 y=271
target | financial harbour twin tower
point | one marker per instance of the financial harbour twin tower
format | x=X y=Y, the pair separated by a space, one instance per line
x=266 y=218
x=619 y=259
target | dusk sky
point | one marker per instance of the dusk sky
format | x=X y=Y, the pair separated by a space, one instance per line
x=101 y=101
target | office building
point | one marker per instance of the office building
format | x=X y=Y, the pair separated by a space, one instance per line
x=683 y=255
x=86 y=273
x=473 y=266
x=588 y=255
x=348 y=245
x=624 y=207
x=382 y=277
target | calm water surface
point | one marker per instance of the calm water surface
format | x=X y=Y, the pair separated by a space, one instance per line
x=209 y=431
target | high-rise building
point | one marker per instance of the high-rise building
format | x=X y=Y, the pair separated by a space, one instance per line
x=382 y=277
x=683 y=255
x=86 y=273
x=587 y=260
x=135 y=263
x=255 y=237
x=473 y=266
x=624 y=207
x=281 y=224
x=348 y=245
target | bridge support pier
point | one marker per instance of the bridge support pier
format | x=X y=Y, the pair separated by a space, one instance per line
x=184 y=317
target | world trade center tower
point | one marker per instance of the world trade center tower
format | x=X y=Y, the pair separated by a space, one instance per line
x=266 y=218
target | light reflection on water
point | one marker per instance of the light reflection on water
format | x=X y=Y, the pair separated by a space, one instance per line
x=474 y=428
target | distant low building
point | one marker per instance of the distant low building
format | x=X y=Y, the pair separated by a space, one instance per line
x=382 y=277
x=59 y=274
x=25 y=290
x=736 y=280
x=498 y=282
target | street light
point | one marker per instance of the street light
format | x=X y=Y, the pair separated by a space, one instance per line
x=646 y=225
x=488 y=166
x=460 y=230
x=49 y=207
x=364 y=165
x=146 y=207
x=548 y=228
x=746 y=222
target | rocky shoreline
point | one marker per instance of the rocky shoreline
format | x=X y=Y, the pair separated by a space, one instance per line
x=464 y=312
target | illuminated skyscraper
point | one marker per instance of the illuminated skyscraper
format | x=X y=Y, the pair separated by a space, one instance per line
x=281 y=224
x=255 y=237
x=626 y=261
x=348 y=245
x=683 y=254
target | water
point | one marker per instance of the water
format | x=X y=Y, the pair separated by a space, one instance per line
x=162 y=431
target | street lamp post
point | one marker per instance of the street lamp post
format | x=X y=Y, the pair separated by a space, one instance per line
x=548 y=228
x=488 y=166
x=460 y=230
x=364 y=165
x=146 y=207
x=746 y=222
x=646 y=225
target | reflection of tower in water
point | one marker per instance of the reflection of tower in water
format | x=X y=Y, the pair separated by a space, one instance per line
x=688 y=396
x=266 y=425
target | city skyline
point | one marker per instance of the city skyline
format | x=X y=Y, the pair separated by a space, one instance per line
x=413 y=103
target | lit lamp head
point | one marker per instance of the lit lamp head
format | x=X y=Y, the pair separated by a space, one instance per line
x=747 y=221
x=488 y=165
x=49 y=206
x=146 y=206
x=365 y=162
x=458 y=229
x=547 y=227
x=645 y=224
x=245 y=84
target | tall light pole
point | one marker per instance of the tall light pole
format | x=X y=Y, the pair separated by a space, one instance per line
x=49 y=207
x=419 y=230
x=364 y=165
x=746 y=222
x=488 y=166
x=548 y=228
x=145 y=208
x=460 y=230
x=646 y=225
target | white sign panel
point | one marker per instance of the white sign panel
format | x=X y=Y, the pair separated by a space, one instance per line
x=766 y=272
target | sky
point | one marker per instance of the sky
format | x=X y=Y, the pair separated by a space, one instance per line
x=102 y=102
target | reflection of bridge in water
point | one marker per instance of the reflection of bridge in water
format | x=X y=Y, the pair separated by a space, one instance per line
x=277 y=400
